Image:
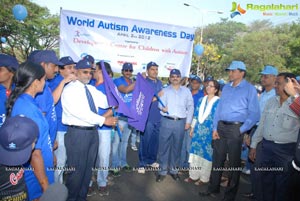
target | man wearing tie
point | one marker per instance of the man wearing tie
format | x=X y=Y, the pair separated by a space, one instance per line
x=80 y=102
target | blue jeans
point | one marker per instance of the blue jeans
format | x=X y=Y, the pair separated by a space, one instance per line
x=170 y=143
x=119 y=148
x=185 y=150
x=103 y=156
x=134 y=136
x=61 y=156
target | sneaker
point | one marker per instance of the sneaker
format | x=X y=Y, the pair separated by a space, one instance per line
x=155 y=165
x=116 y=173
x=91 y=192
x=246 y=171
x=134 y=148
x=127 y=168
x=103 y=191
x=141 y=170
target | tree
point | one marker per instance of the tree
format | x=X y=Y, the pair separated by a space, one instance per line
x=40 y=30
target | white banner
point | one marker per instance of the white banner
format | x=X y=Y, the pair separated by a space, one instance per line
x=118 y=40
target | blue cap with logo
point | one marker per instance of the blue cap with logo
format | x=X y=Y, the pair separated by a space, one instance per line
x=237 y=65
x=90 y=58
x=127 y=66
x=16 y=137
x=47 y=56
x=269 y=70
x=208 y=78
x=8 y=61
x=197 y=78
x=175 y=72
x=83 y=64
x=150 y=64
x=67 y=60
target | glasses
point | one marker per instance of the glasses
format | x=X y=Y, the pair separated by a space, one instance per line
x=87 y=72
x=211 y=86
x=127 y=70
x=175 y=76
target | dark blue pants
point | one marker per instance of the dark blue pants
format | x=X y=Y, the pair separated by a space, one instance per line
x=276 y=158
x=149 y=144
x=170 y=141
x=82 y=148
x=230 y=143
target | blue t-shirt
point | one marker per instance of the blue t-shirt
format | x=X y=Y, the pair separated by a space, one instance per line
x=197 y=96
x=58 y=107
x=127 y=98
x=154 y=112
x=27 y=106
x=46 y=104
x=101 y=87
x=3 y=99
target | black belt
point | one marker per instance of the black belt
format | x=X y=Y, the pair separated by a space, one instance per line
x=173 y=118
x=84 y=127
x=231 y=122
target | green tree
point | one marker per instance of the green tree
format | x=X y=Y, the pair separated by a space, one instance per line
x=40 y=30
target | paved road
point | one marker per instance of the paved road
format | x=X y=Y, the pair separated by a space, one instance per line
x=131 y=186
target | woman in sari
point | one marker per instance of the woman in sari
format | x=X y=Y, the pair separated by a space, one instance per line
x=200 y=158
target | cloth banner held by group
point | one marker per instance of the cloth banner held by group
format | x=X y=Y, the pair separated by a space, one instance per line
x=118 y=40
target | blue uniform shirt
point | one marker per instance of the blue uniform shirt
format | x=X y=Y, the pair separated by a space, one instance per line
x=3 y=99
x=197 y=96
x=101 y=87
x=46 y=104
x=154 y=112
x=127 y=98
x=27 y=106
x=240 y=104
x=58 y=108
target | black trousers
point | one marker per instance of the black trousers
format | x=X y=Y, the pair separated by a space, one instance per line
x=82 y=148
x=276 y=175
x=230 y=143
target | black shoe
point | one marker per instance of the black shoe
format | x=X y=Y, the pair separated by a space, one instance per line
x=160 y=178
x=249 y=196
x=175 y=177
x=207 y=193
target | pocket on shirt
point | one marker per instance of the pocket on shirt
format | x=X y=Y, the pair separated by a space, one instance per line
x=290 y=120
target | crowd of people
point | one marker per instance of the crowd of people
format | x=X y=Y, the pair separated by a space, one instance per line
x=57 y=128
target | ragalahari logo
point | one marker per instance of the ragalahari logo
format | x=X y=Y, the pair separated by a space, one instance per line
x=236 y=10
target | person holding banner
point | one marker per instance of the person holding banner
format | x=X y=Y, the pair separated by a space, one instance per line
x=80 y=102
x=149 y=139
x=125 y=86
x=177 y=114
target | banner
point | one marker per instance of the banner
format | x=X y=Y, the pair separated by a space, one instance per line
x=141 y=100
x=118 y=40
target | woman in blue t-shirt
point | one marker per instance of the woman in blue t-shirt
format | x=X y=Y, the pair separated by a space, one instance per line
x=30 y=80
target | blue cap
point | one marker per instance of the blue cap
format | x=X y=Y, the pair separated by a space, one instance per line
x=298 y=78
x=83 y=64
x=150 y=64
x=90 y=58
x=237 y=65
x=32 y=54
x=47 y=56
x=67 y=61
x=16 y=137
x=269 y=70
x=175 y=72
x=9 y=61
x=127 y=66
x=196 y=78
x=208 y=78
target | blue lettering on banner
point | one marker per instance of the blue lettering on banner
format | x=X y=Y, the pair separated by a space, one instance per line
x=156 y=32
x=80 y=22
x=112 y=26
x=187 y=36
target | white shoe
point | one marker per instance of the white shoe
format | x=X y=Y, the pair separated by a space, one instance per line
x=134 y=148
x=155 y=165
x=141 y=170
x=246 y=171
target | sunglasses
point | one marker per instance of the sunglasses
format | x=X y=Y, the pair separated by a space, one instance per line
x=87 y=72
x=127 y=70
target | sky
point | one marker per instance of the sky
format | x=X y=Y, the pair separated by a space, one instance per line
x=200 y=12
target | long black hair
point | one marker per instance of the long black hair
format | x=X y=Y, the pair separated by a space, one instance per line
x=23 y=78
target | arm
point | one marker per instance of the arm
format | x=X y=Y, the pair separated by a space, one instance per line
x=126 y=89
x=57 y=92
x=37 y=163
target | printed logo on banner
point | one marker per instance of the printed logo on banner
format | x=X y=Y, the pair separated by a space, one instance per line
x=236 y=10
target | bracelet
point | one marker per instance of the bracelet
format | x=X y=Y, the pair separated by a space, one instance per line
x=295 y=166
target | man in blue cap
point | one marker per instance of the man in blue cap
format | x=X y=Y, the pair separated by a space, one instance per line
x=8 y=67
x=65 y=75
x=177 y=113
x=237 y=112
x=80 y=103
x=268 y=78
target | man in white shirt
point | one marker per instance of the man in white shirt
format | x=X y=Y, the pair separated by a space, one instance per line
x=80 y=102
